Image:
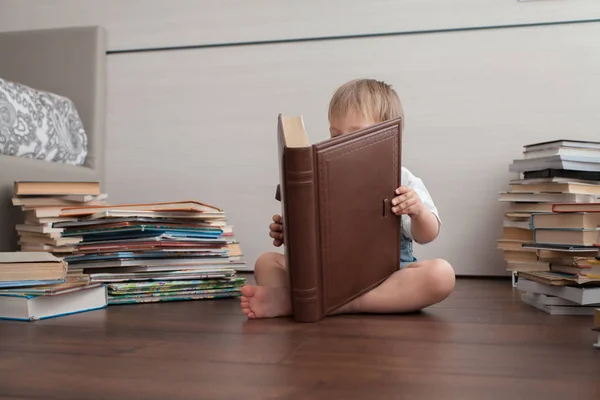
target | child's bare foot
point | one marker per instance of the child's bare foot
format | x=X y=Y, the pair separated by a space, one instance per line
x=265 y=302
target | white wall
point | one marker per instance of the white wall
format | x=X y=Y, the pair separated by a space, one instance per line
x=158 y=23
x=181 y=121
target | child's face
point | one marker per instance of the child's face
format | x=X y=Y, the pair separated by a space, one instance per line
x=350 y=122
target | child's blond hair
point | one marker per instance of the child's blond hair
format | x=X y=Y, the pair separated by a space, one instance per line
x=372 y=98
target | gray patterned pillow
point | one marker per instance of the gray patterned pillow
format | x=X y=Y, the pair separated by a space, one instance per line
x=40 y=125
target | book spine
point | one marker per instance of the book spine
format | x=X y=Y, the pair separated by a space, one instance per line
x=301 y=232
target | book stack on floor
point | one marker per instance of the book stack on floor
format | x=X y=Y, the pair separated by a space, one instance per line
x=35 y=285
x=142 y=252
x=41 y=203
x=557 y=294
x=545 y=180
x=555 y=205
x=566 y=239
x=153 y=252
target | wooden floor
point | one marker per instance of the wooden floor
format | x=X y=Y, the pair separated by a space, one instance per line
x=481 y=343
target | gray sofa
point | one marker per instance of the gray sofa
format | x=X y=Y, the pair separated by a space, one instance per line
x=70 y=62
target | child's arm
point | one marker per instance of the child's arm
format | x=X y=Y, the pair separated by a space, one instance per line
x=425 y=226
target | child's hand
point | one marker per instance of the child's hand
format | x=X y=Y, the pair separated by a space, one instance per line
x=276 y=230
x=407 y=202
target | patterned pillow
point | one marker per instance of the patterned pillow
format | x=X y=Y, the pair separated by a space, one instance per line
x=40 y=125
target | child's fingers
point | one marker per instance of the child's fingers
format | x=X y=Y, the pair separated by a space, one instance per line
x=277 y=218
x=404 y=207
x=402 y=198
x=402 y=189
x=276 y=235
x=399 y=199
x=276 y=227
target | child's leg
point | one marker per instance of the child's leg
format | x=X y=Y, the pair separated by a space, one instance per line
x=414 y=287
x=269 y=270
x=271 y=298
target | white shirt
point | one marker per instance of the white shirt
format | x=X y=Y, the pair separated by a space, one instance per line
x=416 y=184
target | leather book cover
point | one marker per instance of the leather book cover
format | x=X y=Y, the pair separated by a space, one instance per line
x=341 y=238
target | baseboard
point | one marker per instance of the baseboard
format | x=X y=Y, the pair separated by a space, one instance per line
x=485 y=277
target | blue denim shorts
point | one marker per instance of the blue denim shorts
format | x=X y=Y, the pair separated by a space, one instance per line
x=406 y=252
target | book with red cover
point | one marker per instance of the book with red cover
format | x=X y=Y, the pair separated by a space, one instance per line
x=341 y=238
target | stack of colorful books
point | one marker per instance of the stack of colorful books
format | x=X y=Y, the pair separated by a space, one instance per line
x=152 y=252
x=551 y=228
x=170 y=251
x=156 y=252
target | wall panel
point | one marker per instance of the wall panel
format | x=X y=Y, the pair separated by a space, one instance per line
x=134 y=24
x=202 y=123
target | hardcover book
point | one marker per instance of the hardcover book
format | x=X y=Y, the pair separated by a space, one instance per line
x=341 y=238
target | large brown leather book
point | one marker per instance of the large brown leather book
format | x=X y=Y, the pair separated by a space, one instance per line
x=341 y=238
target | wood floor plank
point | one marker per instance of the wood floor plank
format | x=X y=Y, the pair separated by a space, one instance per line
x=482 y=342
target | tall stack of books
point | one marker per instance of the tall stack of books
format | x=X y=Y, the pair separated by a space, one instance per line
x=551 y=228
x=42 y=204
x=143 y=252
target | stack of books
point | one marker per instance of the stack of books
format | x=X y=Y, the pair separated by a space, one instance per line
x=566 y=239
x=556 y=294
x=42 y=204
x=143 y=253
x=152 y=252
x=35 y=285
x=550 y=232
x=156 y=252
